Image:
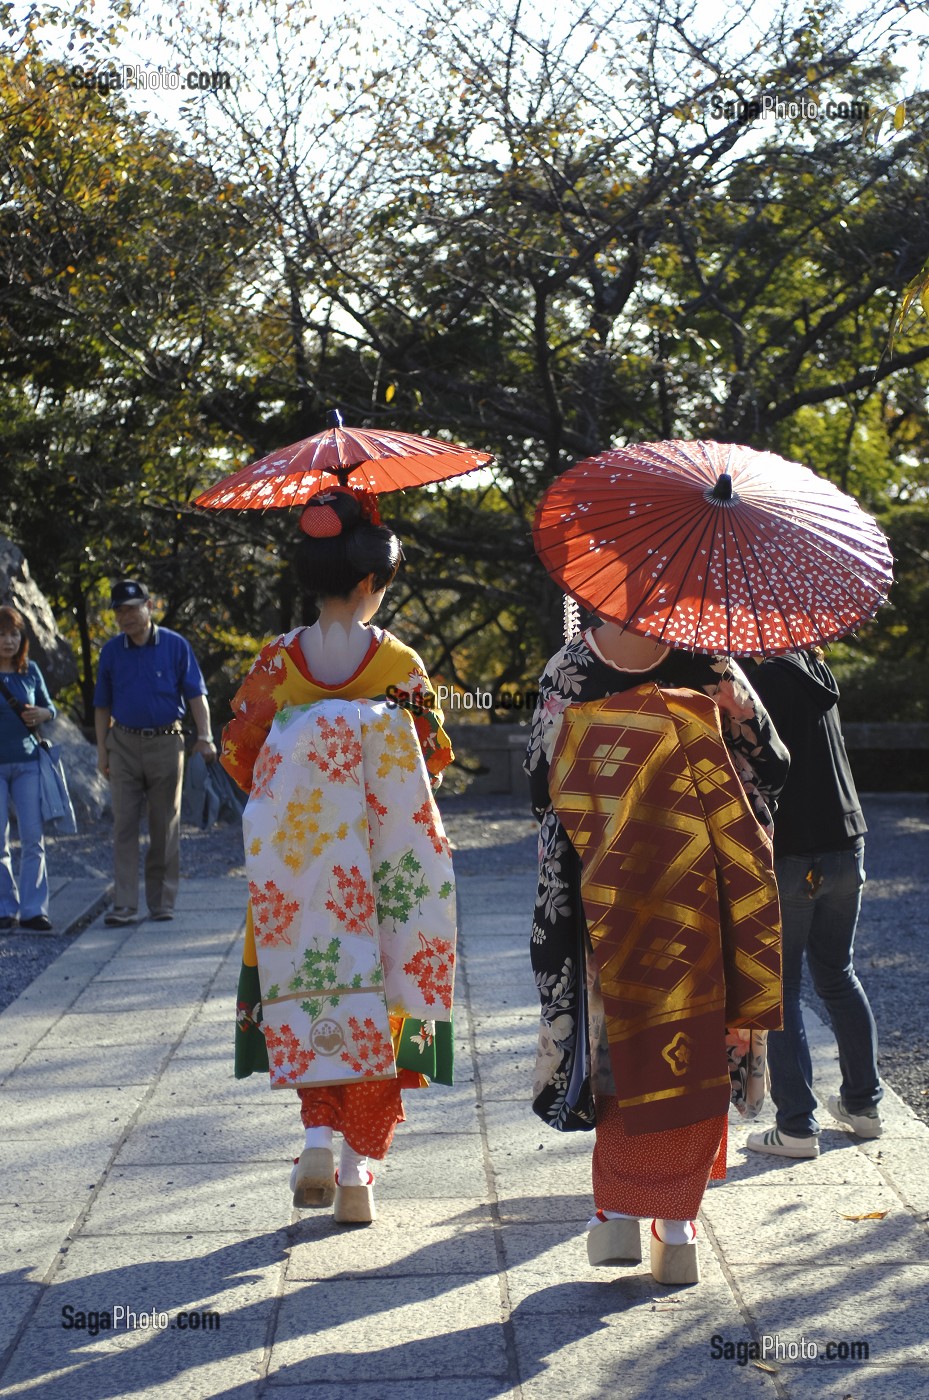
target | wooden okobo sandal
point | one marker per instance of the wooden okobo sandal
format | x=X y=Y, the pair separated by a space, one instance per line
x=614 y=1242
x=674 y=1264
x=354 y=1205
x=313 y=1178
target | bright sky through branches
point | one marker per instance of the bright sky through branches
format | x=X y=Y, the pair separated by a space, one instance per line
x=196 y=40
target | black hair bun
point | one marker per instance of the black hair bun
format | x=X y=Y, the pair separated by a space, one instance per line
x=345 y=542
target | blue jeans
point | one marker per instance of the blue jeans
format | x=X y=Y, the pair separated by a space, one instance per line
x=820 y=900
x=20 y=781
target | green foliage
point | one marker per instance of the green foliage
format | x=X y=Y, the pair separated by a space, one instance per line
x=532 y=236
x=884 y=674
x=122 y=260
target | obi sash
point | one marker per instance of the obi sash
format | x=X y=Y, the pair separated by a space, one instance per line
x=678 y=892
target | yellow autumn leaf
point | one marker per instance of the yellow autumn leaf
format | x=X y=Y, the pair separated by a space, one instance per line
x=924 y=303
x=877 y=127
x=811 y=74
x=871 y=1215
x=389 y=392
x=899 y=116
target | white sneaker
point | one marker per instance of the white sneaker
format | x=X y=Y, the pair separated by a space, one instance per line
x=780 y=1144
x=863 y=1125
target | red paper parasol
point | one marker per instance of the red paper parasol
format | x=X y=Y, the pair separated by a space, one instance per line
x=372 y=459
x=712 y=547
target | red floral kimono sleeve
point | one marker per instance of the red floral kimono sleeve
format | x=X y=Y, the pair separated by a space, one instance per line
x=253 y=711
x=428 y=724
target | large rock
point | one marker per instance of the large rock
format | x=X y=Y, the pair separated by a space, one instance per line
x=47 y=647
x=90 y=793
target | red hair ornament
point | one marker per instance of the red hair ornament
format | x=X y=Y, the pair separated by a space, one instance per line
x=321 y=522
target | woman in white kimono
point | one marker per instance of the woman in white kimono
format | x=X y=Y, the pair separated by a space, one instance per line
x=345 y=561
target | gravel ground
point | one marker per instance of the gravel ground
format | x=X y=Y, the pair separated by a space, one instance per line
x=494 y=835
x=22 y=957
x=892 y=943
x=203 y=853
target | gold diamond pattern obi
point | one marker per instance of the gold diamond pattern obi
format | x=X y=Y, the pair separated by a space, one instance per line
x=678 y=892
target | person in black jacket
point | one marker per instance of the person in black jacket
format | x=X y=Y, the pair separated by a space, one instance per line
x=819 y=833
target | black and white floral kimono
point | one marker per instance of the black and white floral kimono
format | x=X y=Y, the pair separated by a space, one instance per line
x=565 y=1076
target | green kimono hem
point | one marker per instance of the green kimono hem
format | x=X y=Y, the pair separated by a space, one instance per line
x=251 y=1049
x=425 y=1047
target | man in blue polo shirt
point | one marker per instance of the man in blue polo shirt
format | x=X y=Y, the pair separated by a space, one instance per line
x=143 y=680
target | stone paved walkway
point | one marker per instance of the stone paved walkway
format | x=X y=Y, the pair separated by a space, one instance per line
x=137 y=1173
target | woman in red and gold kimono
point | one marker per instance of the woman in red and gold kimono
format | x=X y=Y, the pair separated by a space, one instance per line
x=652 y=800
x=346 y=560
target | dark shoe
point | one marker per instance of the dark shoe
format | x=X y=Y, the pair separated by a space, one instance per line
x=40 y=923
x=7 y=922
x=161 y=916
x=119 y=917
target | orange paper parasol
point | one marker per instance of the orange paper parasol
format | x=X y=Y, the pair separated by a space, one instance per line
x=712 y=547
x=367 y=458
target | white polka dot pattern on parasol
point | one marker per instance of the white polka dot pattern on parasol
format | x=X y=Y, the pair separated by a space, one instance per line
x=371 y=459
x=713 y=547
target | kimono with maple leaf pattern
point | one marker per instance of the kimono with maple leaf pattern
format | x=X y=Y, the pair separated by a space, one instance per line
x=352 y=901
x=278 y=680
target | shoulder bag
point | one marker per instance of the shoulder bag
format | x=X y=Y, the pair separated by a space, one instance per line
x=54 y=798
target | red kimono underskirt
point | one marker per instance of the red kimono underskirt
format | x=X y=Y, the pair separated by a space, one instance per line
x=661 y=1174
x=366 y=1114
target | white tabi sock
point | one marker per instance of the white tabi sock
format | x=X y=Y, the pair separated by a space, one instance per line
x=318 y=1137
x=353 y=1168
x=604 y=1215
x=676 y=1231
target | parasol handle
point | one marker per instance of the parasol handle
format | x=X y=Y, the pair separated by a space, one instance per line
x=722 y=491
x=334 y=419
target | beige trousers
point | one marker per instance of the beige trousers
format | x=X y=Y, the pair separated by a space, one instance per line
x=146 y=772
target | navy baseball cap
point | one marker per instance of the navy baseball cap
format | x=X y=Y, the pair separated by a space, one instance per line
x=128 y=590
